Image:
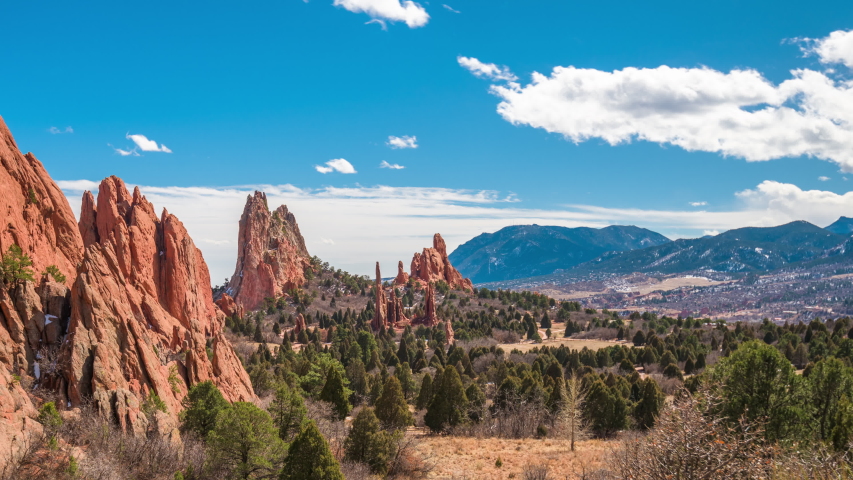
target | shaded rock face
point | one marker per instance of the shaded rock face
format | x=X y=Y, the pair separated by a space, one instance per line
x=429 y=318
x=396 y=314
x=432 y=265
x=380 y=315
x=142 y=313
x=228 y=306
x=299 y=324
x=271 y=254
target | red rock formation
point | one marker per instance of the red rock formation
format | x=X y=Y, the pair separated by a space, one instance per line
x=396 y=314
x=433 y=265
x=228 y=306
x=300 y=325
x=380 y=315
x=429 y=318
x=271 y=254
x=36 y=216
x=448 y=332
x=402 y=276
x=142 y=312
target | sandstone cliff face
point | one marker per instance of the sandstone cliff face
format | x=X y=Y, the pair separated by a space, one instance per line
x=402 y=277
x=271 y=254
x=36 y=216
x=432 y=265
x=429 y=318
x=142 y=313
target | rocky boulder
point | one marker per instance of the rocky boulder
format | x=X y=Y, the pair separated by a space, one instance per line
x=432 y=265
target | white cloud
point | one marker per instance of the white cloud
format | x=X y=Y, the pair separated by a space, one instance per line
x=835 y=48
x=125 y=153
x=336 y=165
x=391 y=10
x=55 y=130
x=486 y=70
x=739 y=113
x=710 y=232
x=406 y=141
x=392 y=166
x=823 y=178
x=448 y=7
x=698 y=204
x=147 y=145
x=389 y=224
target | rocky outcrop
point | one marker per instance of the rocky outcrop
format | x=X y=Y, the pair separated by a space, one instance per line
x=142 y=313
x=448 y=332
x=429 y=318
x=271 y=254
x=36 y=216
x=432 y=265
x=380 y=310
x=299 y=325
x=229 y=307
x=402 y=277
x=396 y=313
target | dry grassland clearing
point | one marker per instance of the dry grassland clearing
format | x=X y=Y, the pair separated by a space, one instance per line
x=474 y=458
x=570 y=343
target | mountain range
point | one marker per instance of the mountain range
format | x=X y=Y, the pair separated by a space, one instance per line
x=532 y=250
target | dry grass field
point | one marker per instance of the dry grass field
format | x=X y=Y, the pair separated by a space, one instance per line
x=474 y=458
x=571 y=343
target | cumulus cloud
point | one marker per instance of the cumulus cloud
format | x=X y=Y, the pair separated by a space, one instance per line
x=392 y=166
x=146 y=145
x=823 y=178
x=486 y=70
x=381 y=11
x=739 y=113
x=406 y=141
x=448 y=7
x=337 y=165
x=837 y=47
x=55 y=130
x=698 y=204
x=407 y=217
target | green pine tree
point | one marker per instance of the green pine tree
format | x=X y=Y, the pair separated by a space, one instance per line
x=367 y=443
x=425 y=395
x=336 y=393
x=245 y=442
x=309 y=457
x=649 y=405
x=449 y=405
x=288 y=412
x=202 y=405
x=391 y=407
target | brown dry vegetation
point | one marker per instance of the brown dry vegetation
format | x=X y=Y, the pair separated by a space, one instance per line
x=474 y=458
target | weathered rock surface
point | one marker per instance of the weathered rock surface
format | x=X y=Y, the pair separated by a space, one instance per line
x=142 y=313
x=402 y=277
x=432 y=265
x=380 y=312
x=299 y=324
x=429 y=318
x=36 y=215
x=396 y=313
x=228 y=306
x=271 y=254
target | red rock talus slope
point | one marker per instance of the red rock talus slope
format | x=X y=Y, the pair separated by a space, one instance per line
x=271 y=254
x=35 y=215
x=432 y=265
x=142 y=312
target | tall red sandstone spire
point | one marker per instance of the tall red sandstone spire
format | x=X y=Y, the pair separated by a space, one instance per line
x=380 y=315
x=271 y=254
x=432 y=265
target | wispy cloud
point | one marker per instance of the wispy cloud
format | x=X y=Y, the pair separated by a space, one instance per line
x=406 y=141
x=146 y=145
x=55 y=130
x=698 y=204
x=448 y=7
x=337 y=165
x=823 y=178
x=406 y=11
x=327 y=241
x=123 y=152
x=486 y=70
x=392 y=166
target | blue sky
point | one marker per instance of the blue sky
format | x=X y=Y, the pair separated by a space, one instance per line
x=261 y=93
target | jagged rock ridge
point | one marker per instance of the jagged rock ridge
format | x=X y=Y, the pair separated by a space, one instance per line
x=271 y=254
x=432 y=265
